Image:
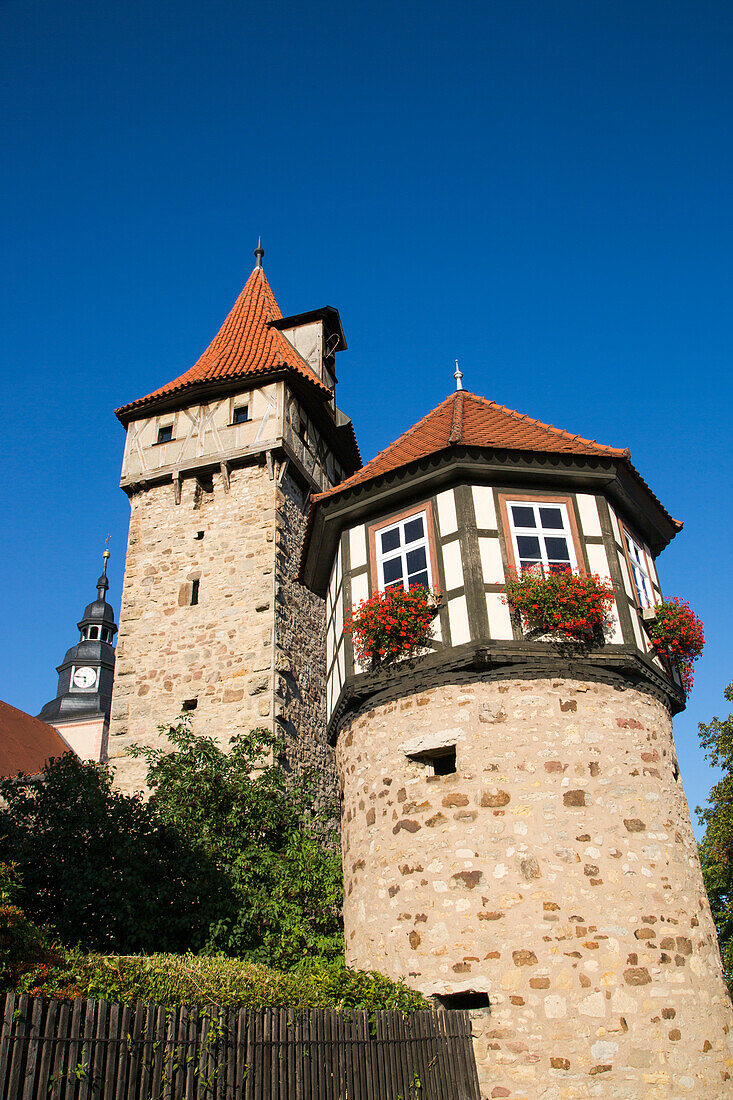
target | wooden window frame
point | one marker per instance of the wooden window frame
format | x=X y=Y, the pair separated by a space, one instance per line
x=539 y=498
x=374 y=528
x=626 y=534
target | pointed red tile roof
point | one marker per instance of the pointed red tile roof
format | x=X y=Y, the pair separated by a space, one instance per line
x=464 y=419
x=26 y=743
x=244 y=345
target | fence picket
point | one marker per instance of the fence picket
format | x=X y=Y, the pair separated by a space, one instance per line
x=34 y=1047
x=19 y=1045
x=9 y=1008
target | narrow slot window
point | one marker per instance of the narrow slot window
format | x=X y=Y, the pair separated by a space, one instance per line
x=198 y=536
x=189 y=704
x=241 y=414
x=541 y=536
x=403 y=555
x=165 y=434
x=194 y=592
x=438 y=761
x=465 y=1001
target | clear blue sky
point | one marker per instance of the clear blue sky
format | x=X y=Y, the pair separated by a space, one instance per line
x=541 y=189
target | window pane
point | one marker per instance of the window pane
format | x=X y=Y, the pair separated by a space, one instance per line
x=551 y=519
x=558 y=566
x=392 y=570
x=416 y=560
x=390 y=539
x=557 y=549
x=414 y=530
x=528 y=546
x=525 y=565
x=419 y=578
x=396 y=584
x=523 y=517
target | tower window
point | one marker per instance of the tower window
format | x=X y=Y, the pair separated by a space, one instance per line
x=639 y=569
x=241 y=414
x=194 y=592
x=403 y=554
x=189 y=704
x=541 y=535
x=165 y=434
x=199 y=535
x=93 y=631
x=467 y=1000
x=440 y=761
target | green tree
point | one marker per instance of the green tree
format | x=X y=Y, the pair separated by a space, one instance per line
x=99 y=866
x=225 y=856
x=255 y=824
x=716 y=849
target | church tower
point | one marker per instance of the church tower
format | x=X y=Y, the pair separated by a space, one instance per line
x=515 y=835
x=81 y=710
x=219 y=465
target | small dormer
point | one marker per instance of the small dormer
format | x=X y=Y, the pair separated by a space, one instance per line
x=316 y=336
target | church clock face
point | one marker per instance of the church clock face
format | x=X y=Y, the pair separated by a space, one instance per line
x=84 y=677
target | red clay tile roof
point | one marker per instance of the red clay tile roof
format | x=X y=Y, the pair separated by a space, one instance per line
x=26 y=743
x=464 y=419
x=244 y=345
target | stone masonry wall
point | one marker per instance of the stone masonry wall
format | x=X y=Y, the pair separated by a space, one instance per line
x=219 y=652
x=556 y=871
x=300 y=640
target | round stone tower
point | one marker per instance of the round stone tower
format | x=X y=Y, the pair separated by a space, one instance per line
x=516 y=839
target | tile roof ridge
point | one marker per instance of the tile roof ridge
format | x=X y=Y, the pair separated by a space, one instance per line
x=625 y=452
x=456 y=431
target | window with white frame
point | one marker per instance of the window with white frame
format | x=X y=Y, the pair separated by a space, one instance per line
x=403 y=557
x=639 y=572
x=541 y=536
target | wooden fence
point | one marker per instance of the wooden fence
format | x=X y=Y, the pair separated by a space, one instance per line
x=94 y=1050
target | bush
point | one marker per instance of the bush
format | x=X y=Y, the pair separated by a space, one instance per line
x=677 y=634
x=226 y=855
x=197 y=980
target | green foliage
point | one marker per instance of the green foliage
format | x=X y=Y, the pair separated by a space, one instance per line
x=98 y=865
x=225 y=856
x=716 y=850
x=23 y=946
x=255 y=825
x=194 y=979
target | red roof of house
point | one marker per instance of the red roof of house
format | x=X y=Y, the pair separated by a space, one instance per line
x=245 y=345
x=26 y=743
x=464 y=419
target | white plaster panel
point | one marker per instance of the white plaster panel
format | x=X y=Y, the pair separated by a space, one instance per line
x=452 y=565
x=335 y=580
x=598 y=561
x=625 y=574
x=637 y=630
x=357 y=547
x=447 y=521
x=330 y=645
x=492 y=566
x=500 y=623
x=460 y=631
x=616 y=635
x=483 y=503
x=359 y=588
x=589 y=514
x=340 y=667
x=338 y=618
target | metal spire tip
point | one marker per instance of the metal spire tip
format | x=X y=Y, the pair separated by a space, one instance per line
x=259 y=252
x=458 y=375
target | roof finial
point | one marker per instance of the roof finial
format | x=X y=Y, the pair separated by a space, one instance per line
x=458 y=376
x=103 y=583
x=259 y=252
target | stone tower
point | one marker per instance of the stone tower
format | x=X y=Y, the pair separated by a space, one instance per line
x=81 y=709
x=219 y=465
x=515 y=834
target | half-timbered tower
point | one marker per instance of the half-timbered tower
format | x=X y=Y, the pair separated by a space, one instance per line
x=218 y=466
x=515 y=833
